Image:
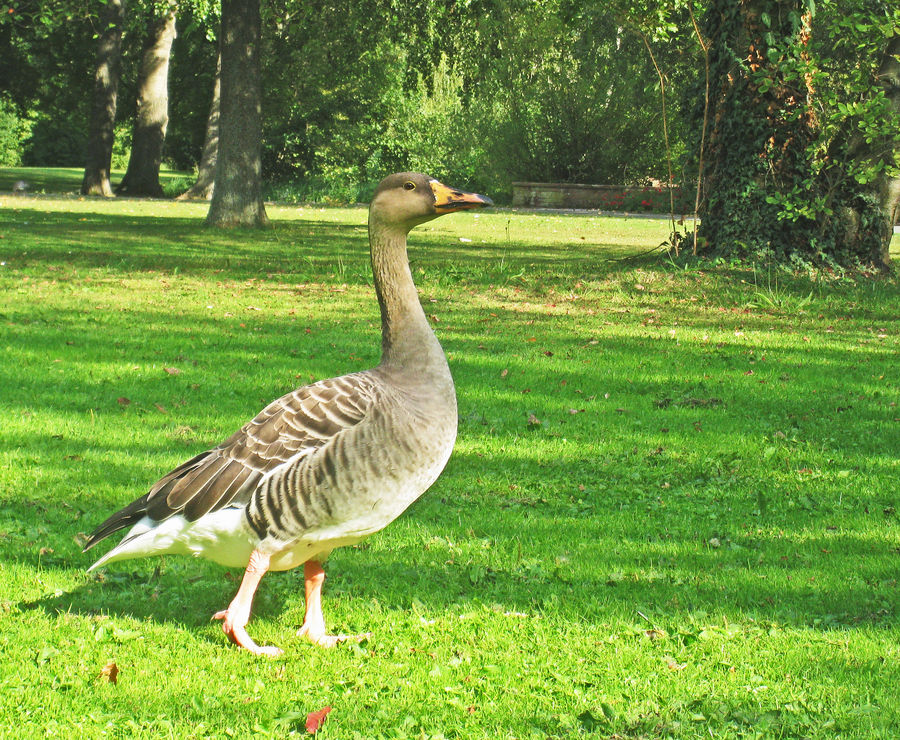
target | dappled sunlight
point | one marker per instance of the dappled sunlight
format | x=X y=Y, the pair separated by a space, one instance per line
x=660 y=472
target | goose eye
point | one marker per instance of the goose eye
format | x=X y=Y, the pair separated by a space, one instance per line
x=409 y=186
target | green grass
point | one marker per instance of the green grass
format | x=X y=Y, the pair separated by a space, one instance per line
x=700 y=538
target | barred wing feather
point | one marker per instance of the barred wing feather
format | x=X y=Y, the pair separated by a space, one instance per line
x=284 y=432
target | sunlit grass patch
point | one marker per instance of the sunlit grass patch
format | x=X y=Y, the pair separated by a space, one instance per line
x=671 y=512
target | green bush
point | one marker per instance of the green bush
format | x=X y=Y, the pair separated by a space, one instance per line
x=12 y=130
x=54 y=144
x=121 y=152
x=318 y=189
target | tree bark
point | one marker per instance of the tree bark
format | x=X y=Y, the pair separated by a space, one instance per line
x=759 y=130
x=206 y=174
x=152 y=117
x=888 y=186
x=101 y=130
x=237 y=194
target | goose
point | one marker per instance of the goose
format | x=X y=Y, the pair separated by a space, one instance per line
x=327 y=464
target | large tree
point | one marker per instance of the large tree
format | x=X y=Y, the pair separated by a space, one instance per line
x=760 y=126
x=152 y=113
x=237 y=195
x=888 y=178
x=101 y=129
x=803 y=136
x=857 y=81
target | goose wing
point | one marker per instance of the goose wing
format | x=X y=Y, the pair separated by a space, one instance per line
x=285 y=431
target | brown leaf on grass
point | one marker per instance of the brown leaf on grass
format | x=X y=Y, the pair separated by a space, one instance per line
x=314 y=720
x=122 y=401
x=504 y=372
x=110 y=672
x=533 y=421
x=172 y=370
x=161 y=408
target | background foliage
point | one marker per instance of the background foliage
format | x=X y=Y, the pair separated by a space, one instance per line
x=487 y=92
x=482 y=92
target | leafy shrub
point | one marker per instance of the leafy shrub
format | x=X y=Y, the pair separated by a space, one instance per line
x=54 y=144
x=12 y=130
x=319 y=190
x=121 y=145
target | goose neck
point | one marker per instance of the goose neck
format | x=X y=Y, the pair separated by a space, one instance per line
x=406 y=337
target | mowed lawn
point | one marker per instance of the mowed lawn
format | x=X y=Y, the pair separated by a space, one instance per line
x=672 y=510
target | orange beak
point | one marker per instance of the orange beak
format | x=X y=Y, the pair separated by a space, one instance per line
x=448 y=200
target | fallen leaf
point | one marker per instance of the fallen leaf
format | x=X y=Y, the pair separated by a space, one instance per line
x=504 y=372
x=160 y=408
x=172 y=370
x=110 y=672
x=122 y=401
x=314 y=720
x=533 y=421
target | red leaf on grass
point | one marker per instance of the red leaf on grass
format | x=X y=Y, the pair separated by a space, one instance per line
x=314 y=720
x=110 y=672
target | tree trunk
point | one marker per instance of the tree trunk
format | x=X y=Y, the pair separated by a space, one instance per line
x=206 y=175
x=237 y=195
x=889 y=186
x=760 y=126
x=152 y=117
x=101 y=132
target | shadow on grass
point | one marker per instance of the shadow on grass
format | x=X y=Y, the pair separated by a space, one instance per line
x=294 y=247
x=764 y=580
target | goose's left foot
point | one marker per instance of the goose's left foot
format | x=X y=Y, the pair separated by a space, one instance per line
x=235 y=617
x=238 y=635
x=313 y=628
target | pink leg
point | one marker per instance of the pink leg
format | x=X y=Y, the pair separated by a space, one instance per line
x=236 y=616
x=314 y=622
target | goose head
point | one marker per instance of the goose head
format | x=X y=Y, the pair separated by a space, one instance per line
x=406 y=199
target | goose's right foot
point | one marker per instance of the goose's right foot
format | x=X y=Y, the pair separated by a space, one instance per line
x=313 y=628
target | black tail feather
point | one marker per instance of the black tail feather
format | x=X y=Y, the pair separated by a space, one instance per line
x=123 y=518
